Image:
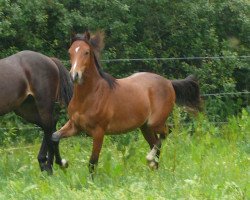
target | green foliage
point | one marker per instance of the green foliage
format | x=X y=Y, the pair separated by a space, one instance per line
x=145 y=29
x=14 y=130
x=210 y=163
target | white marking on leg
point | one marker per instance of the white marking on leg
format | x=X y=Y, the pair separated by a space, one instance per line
x=77 y=49
x=151 y=155
x=64 y=163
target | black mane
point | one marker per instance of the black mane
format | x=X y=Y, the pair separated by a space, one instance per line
x=107 y=77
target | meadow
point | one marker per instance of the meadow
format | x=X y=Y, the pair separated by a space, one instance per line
x=199 y=160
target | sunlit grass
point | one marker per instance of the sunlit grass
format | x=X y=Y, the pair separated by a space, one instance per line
x=210 y=163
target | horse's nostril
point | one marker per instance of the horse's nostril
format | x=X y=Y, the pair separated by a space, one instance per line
x=76 y=77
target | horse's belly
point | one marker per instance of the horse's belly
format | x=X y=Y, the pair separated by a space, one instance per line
x=129 y=114
x=113 y=130
x=117 y=126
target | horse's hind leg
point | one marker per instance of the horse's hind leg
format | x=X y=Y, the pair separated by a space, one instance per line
x=163 y=132
x=154 y=144
x=48 y=123
x=29 y=112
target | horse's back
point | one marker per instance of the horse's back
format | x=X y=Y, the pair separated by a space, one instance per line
x=145 y=82
x=159 y=90
x=28 y=60
x=39 y=63
x=146 y=79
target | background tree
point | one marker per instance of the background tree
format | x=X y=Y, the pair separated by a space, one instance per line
x=143 y=29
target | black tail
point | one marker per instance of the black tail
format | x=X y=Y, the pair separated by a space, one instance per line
x=66 y=84
x=187 y=92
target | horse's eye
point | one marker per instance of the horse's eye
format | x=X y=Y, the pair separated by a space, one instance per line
x=86 y=53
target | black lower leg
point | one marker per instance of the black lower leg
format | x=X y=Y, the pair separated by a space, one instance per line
x=92 y=166
x=50 y=159
x=55 y=141
x=42 y=155
x=158 y=146
x=57 y=153
x=157 y=156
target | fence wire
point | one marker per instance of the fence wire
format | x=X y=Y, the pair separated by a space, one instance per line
x=225 y=93
x=202 y=95
x=176 y=58
x=149 y=59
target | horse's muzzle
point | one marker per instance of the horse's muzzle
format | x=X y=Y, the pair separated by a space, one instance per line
x=76 y=77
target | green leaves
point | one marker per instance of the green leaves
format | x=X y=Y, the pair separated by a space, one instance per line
x=140 y=29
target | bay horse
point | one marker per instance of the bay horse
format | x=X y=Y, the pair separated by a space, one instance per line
x=103 y=105
x=30 y=84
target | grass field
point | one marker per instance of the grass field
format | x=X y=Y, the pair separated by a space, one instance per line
x=200 y=161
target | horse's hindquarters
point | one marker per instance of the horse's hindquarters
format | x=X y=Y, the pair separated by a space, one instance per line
x=13 y=92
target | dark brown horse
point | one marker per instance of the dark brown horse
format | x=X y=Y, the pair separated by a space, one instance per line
x=30 y=84
x=103 y=105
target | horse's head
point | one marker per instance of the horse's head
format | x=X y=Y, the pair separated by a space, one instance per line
x=82 y=51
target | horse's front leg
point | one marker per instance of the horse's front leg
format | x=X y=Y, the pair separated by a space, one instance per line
x=98 y=135
x=67 y=130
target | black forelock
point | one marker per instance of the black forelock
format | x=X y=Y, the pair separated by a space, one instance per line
x=79 y=36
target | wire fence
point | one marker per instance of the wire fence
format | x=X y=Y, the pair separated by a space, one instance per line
x=176 y=58
x=225 y=94
x=151 y=59
x=37 y=145
x=202 y=95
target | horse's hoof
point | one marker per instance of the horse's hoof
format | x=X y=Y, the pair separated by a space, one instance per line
x=47 y=168
x=50 y=171
x=65 y=164
x=153 y=165
x=43 y=166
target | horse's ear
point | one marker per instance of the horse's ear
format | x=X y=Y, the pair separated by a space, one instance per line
x=97 y=41
x=87 y=35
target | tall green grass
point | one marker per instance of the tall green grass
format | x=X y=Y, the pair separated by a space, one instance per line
x=200 y=160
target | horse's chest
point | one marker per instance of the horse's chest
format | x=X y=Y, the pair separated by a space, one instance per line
x=84 y=118
x=80 y=120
